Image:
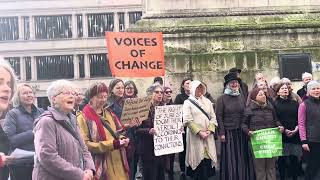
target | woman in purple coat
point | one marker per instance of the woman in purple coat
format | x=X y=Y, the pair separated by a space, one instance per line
x=60 y=152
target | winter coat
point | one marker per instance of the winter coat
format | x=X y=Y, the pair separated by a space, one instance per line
x=59 y=155
x=18 y=126
x=258 y=117
x=196 y=120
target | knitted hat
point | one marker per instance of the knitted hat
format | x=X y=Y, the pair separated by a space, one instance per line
x=312 y=84
x=230 y=77
x=254 y=92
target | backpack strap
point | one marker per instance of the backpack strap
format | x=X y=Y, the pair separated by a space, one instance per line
x=197 y=105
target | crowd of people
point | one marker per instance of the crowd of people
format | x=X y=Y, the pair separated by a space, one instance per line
x=81 y=135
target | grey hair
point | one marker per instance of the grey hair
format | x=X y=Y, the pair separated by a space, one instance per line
x=306 y=74
x=153 y=87
x=285 y=80
x=4 y=64
x=16 y=96
x=57 y=87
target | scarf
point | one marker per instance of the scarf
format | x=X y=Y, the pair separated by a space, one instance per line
x=230 y=92
x=91 y=115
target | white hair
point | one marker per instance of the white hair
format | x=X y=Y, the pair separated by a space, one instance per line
x=16 y=97
x=5 y=65
x=274 y=81
x=153 y=87
x=57 y=87
x=285 y=80
x=305 y=75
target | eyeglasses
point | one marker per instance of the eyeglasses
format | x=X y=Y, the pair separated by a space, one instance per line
x=158 y=92
x=168 y=92
x=79 y=94
x=102 y=97
x=68 y=93
x=129 y=88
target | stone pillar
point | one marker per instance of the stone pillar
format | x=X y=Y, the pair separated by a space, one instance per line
x=116 y=22
x=126 y=20
x=31 y=28
x=86 y=66
x=21 y=28
x=33 y=69
x=76 y=67
x=85 y=25
x=23 y=71
x=74 y=26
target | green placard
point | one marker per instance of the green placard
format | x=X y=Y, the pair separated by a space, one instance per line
x=267 y=143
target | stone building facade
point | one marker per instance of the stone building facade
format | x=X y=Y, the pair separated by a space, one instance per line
x=205 y=38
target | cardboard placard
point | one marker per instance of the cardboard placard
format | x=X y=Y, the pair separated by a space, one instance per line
x=168 y=124
x=135 y=109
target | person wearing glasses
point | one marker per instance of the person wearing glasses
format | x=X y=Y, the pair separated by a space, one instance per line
x=153 y=166
x=7 y=87
x=60 y=152
x=18 y=126
x=167 y=96
x=130 y=90
x=115 y=102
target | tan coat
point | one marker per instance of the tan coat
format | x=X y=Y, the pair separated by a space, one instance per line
x=113 y=165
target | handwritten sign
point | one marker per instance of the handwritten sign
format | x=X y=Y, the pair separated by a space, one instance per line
x=135 y=109
x=267 y=143
x=168 y=123
x=135 y=54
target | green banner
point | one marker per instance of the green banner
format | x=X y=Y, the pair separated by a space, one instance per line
x=267 y=143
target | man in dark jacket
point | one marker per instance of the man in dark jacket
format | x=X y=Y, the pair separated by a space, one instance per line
x=243 y=86
x=306 y=77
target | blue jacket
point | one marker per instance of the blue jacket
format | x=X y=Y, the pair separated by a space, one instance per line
x=18 y=126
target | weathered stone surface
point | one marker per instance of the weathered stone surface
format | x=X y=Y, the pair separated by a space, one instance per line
x=207 y=46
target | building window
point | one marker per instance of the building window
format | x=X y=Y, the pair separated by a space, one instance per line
x=9 y=28
x=26 y=24
x=134 y=17
x=28 y=67
x=121 y=22
x=53 y=27
x=43 y=102
x=81 y=65
x=293 y=65
x=79 y=25
x=99 y=23
x=99 y=66
x=55 y=67
x=15 y=63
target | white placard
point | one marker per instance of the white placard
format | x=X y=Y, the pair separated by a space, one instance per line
x=168 y=124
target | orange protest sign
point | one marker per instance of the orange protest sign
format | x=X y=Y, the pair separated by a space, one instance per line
x=135 y=54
